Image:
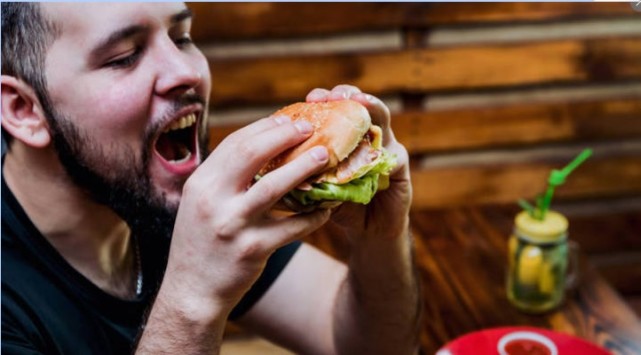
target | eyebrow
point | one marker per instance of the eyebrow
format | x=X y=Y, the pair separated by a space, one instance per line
x=115 y=37
x=130 y=31
x=186 y=13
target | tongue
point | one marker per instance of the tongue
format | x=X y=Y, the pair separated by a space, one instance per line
x=171 y=150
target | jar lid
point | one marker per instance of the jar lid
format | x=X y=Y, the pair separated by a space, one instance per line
x=552 y=229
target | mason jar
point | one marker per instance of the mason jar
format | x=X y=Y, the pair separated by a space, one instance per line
x=538 y=258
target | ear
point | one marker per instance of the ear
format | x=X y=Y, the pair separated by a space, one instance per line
x=22 y=114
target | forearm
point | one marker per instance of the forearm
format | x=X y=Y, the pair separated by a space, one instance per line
x=182 y=326
x=378 y=306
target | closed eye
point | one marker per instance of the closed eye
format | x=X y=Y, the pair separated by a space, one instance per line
x=183 y=40
x=125 y=61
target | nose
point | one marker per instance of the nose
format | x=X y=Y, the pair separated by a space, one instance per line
x=176 y=71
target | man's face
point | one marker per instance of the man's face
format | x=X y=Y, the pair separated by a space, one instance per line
x=124 y=78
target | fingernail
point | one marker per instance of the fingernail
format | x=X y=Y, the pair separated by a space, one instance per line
x=319 y=153
x=303 y=127
x=282 y=119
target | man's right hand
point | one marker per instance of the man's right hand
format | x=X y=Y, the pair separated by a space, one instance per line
x=224 y=233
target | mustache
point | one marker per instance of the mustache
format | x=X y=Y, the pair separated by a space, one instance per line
x=188 y=99
x=182 y=101
x=176 y=105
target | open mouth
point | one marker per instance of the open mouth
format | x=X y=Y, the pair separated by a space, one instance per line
x=177 y=143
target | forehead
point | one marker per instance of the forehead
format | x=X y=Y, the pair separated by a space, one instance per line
x=95 y=19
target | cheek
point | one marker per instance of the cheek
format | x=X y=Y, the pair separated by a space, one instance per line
x=107 y=102
x=120 y=107
x=113 y=112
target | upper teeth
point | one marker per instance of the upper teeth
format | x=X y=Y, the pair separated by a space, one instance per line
x=181 y=123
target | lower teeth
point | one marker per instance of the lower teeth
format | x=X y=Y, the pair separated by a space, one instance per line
x=184 y=159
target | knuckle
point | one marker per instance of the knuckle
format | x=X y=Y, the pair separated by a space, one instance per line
x=200 y=202
x=204 y=210
x=245 y=152
x=251 y=250
x=319 y=93
x=226 y=228
x=346 y=87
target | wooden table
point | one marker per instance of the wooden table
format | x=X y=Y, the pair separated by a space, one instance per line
x=461 y=256
x=462 y=262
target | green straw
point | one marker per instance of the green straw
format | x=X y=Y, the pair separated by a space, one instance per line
x=527 y=206
x=557 y=178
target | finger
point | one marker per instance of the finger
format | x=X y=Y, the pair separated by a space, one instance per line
x=317 y=95
x=379 y=112
x=244 y=154
x=273 y=186
x=279 y=232
x=343 y=92
x=401 y=155
x=263 y=124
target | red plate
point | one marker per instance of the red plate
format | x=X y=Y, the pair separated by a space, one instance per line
x=487 y=342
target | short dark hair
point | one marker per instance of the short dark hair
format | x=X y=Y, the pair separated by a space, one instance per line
x=26 y=36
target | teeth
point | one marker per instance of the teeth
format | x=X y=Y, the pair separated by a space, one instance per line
x=181 y=123
x=184 y=159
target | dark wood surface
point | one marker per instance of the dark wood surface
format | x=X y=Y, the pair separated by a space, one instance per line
x=461 y=256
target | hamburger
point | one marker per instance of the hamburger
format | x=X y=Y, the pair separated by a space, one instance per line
x=358 y=164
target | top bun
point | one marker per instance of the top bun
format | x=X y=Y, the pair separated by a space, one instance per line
x=338 y=125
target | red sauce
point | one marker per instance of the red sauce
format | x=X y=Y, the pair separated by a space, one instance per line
x=526 y=347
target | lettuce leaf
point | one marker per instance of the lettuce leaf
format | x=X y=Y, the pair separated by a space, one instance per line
x=360 y=190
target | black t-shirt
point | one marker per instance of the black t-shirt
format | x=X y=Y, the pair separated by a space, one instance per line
x=48 y=307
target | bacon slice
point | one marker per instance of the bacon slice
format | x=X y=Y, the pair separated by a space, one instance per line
x=363 y=155
x=367 y=151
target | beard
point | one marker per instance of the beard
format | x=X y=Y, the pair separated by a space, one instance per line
x=119 y=180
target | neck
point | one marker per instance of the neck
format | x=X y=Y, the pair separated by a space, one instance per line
x=90 y=236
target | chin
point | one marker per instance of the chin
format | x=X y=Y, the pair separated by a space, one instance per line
x=172 y=200
x=167 y=192
x=172 y=196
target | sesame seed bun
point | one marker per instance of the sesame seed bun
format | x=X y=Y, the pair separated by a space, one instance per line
x=338 y=125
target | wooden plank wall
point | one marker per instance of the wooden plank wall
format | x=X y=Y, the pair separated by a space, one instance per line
x=486 y=97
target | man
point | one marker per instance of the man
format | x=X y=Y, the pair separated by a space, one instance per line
x=118 y=235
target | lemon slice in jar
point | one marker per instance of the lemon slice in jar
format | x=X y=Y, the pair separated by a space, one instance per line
x=547 y=279
x=530 y=265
